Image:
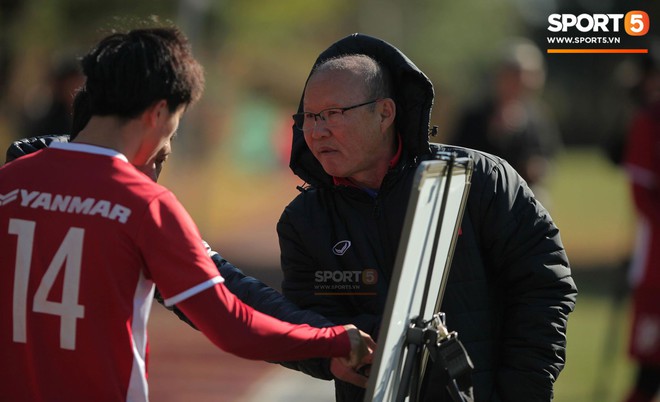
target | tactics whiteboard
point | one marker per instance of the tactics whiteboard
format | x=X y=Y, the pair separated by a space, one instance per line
x=431 y=201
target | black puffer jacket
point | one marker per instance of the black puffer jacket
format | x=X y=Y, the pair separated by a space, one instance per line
x=510 y=288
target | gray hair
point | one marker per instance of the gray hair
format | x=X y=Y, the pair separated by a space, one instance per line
x=377 y=79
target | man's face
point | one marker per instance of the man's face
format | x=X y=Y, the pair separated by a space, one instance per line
x=154 y=166
x=355 y=147
x=160 y=126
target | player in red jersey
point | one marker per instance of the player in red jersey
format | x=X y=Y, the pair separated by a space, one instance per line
x=84 y=236
x=642 y=162
x=642 y=165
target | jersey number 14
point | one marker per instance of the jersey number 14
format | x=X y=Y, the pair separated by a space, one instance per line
x=68 y=255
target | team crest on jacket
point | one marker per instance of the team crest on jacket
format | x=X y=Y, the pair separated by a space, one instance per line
x=341 y=247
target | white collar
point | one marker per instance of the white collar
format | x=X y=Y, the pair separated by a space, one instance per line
x=91 y=149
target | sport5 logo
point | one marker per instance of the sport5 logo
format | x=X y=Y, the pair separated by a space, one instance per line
x=635 y=23
x=341 y=247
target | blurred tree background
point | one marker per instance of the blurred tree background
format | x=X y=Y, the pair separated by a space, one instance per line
x=230 y=162
x=257 y=55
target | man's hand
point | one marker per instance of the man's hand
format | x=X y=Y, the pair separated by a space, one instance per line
x=362 y=350
x=348 y=374
x=362 y=347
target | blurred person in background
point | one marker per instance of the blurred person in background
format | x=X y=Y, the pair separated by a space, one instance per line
x=642 y=165
x=510 y=121
x=360 y=132
x=635 y=79
x=49 y=109
x=10 y=11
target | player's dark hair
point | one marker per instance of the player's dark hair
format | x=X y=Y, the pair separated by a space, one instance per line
x=127 y=72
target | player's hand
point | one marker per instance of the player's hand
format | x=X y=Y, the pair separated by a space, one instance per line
x=362 y=348
x=351 y=369
x=348 y=374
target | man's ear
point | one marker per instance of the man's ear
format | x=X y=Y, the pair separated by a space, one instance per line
x=155 y=113
x=387 y=113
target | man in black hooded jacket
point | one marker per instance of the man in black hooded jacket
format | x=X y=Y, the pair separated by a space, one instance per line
x=361 y=129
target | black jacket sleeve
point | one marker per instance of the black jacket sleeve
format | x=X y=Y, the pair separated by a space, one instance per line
x=269 y=301
x=28 y=145
x=296 y=287
x=263 y=298
x=257 y=295
x=520 y=239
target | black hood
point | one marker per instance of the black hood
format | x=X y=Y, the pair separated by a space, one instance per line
x=413 y=94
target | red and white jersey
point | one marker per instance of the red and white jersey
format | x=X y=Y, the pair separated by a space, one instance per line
x=79 y=226
x=642 y=163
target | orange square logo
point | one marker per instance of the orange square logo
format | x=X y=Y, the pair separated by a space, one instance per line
x=637 y=23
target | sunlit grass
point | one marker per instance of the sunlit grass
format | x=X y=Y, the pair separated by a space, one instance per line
x=591 y=205
x=594 y=372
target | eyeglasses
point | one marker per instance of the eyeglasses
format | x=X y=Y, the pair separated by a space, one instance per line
x=306 y=121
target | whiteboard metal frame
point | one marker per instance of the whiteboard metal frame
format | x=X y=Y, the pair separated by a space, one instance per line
x=410 y=275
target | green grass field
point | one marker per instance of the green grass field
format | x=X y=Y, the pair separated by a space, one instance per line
x=591 y=206
x=590 y=202
x=597 y=367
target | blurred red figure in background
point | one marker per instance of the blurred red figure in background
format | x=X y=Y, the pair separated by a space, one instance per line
x=642 y=164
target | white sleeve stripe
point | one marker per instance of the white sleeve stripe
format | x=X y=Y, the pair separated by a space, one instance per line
x=641 y=176
x=193 y=291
